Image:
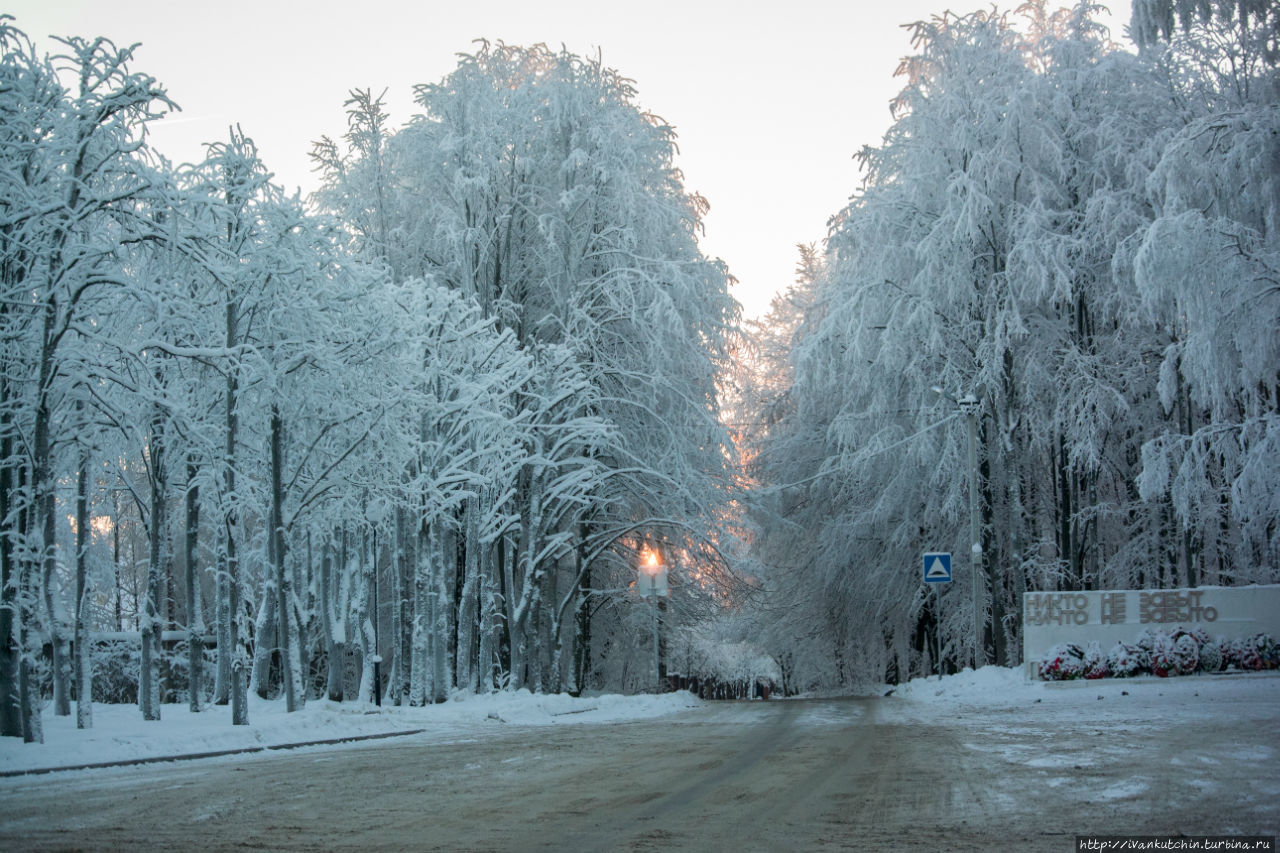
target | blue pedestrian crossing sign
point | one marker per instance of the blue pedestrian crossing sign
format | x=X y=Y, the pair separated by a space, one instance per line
x=937 y=567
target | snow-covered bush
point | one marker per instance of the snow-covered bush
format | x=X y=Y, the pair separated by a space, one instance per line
x=1064 y=662
x=1095 y=662
x=180 y=678
x=1125 y=660
x=115 y=671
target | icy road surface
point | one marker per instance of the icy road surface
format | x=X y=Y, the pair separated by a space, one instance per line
x=938 y=768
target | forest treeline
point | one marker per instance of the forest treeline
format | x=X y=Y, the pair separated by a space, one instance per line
x=424 y=419
x=408 y=436
x=1087 y=240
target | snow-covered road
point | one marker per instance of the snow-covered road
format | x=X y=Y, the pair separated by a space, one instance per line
x=987 y=764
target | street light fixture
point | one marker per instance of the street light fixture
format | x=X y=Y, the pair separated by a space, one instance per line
x=969 y=406
x=653 y=583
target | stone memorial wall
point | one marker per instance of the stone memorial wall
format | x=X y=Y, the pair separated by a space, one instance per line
x=1112 y=616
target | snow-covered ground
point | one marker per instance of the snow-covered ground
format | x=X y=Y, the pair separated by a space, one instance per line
x=1188 y=754
x=978 y=760
x=994 y=687
x=120 y=734
x=992 y=698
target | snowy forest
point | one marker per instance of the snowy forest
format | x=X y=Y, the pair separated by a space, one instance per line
x=415 y=433
x=1086 y=240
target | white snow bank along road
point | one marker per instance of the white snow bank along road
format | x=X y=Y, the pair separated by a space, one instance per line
x=1200 y=696
x=120 y=734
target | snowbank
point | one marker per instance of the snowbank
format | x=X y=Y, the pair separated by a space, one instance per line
x=120 y=734
x=994 y=687
x=991 y=684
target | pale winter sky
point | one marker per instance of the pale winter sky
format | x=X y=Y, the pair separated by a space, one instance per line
x=770 y=99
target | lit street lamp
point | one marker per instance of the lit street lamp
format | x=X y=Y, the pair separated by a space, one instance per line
x=969 y=406
x=653 y=584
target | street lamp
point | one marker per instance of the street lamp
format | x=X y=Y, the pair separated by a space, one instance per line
x=653 y=583
x=969 y=407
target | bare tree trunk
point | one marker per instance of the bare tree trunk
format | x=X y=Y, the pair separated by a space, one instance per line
x=151 y=627
x=486 y=654
x=239 y=686
x=46 y=507
x=467 y=597
x=195 y=619
x=421 y=630
x=582 y=622
x=287 y=627
x=364 y=614
x=84 y=657
x=265 y=638
x=404 y=604
x=10 y=653
x=332 y=624
x=222 y=621
x=440 y=617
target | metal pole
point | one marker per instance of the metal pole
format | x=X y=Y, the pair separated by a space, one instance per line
x=657 y=663
x=377 y=658
x=937 y=627
x=969 y=405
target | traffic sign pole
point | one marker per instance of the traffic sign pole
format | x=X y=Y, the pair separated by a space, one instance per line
x=937 y=570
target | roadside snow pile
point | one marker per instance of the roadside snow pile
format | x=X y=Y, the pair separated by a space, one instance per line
x=991 y=684
x=120 y=734
x=995 y=687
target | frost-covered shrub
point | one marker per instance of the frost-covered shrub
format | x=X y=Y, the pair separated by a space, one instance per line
x=179 y=678
x=1186 y=654
x=115 y=671
x=1125 y=660
x=1064 y=662
x=1095 y=662
x=1163 y=662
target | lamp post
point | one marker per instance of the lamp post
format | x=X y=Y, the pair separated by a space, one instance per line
x=653 y=583
x=969 y=407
